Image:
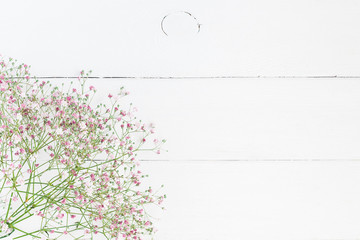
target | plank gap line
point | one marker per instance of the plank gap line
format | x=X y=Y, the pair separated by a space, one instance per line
x=252 y=160
x=203 y=77
x=235 y=160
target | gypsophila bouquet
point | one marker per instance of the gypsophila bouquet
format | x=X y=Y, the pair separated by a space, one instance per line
x=69 y=170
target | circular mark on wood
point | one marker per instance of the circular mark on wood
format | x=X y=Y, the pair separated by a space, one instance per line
x=180 y=24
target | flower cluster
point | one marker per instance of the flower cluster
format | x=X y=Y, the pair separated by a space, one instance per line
x=68 y=165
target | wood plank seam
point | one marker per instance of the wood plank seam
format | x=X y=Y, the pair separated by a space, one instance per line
x=198 y=77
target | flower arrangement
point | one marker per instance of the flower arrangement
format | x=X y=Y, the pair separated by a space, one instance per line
x=68 y=168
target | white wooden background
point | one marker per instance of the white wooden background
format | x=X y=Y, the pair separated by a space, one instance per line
x=261 y=108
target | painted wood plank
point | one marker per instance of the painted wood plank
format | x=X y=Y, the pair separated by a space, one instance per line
x=299 y=201
x=255 y=201
x=252 y=37
x=267 y=119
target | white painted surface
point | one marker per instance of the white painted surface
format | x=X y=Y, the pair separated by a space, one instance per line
x=252 y=119
x=267 y=122
x=220 y=119
x=123 y=37
x=280 y=201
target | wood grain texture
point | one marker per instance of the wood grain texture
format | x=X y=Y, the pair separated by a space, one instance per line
x=262 y=123
x=237 y=200
x=258 y=200
x=254 y=119
x=124 y=38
